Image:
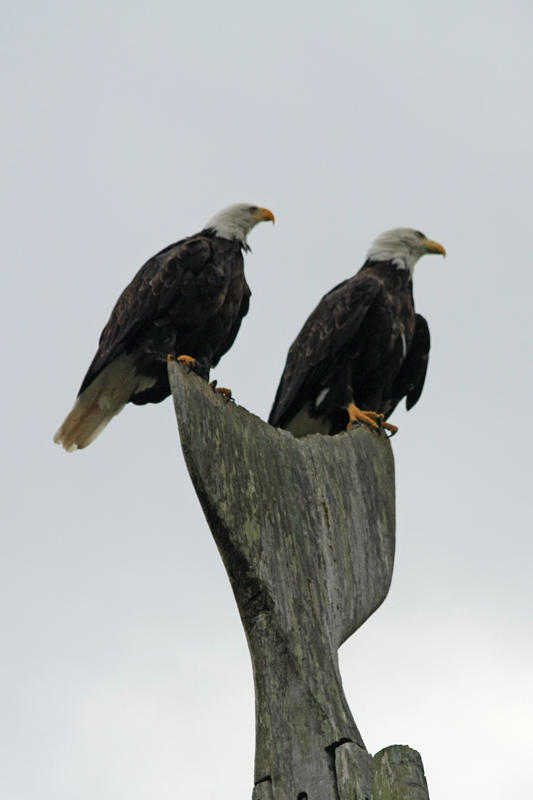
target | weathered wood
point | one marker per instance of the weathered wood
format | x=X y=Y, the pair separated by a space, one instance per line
x=399 y=775
x=305 y=528
x=354 y=770
x=263 y=790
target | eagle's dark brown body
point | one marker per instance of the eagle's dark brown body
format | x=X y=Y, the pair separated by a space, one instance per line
x=188 y=299
x=364 y=344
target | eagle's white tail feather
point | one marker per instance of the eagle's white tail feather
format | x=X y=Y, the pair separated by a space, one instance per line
x=105 y=397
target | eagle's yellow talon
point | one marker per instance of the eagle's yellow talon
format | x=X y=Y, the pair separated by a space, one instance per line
x=189 y=361
x=373 y=419
x=388 y=427
x=225 y=392
x=222 y=390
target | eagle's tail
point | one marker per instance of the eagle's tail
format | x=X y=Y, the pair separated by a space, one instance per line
x=97 y=405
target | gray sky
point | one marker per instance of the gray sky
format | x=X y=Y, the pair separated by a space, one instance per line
x=125 y=672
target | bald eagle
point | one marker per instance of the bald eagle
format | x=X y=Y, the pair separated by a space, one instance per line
x=189 y=299
x=363 y=348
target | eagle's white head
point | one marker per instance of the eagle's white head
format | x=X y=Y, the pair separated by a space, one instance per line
x=403 y=246
x=236 y=221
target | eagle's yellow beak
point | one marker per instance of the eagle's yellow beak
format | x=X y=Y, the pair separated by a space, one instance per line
x=434 y=247
x=264 y=215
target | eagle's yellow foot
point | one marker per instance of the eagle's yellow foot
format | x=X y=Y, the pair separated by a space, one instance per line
x=373 y=419
x=221 y=390
x=370 y=418
x=189 y=361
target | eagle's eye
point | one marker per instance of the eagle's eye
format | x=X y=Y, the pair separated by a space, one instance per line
x=253 y=209
x=420 y=234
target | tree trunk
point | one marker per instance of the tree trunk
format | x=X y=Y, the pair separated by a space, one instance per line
x=305 y=528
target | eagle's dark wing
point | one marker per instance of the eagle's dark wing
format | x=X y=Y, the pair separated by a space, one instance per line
x=409 y=381
x=333 y=323
x=228 y=340
x=170 y=284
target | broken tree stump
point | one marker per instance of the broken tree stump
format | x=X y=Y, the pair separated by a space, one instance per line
x=305 y=528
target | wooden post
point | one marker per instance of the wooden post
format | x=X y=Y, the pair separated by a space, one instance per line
x=305 y=528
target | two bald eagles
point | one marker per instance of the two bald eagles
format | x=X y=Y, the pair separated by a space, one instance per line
x=358 y=354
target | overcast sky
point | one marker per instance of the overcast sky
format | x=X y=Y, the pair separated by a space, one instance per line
x=126 y=125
